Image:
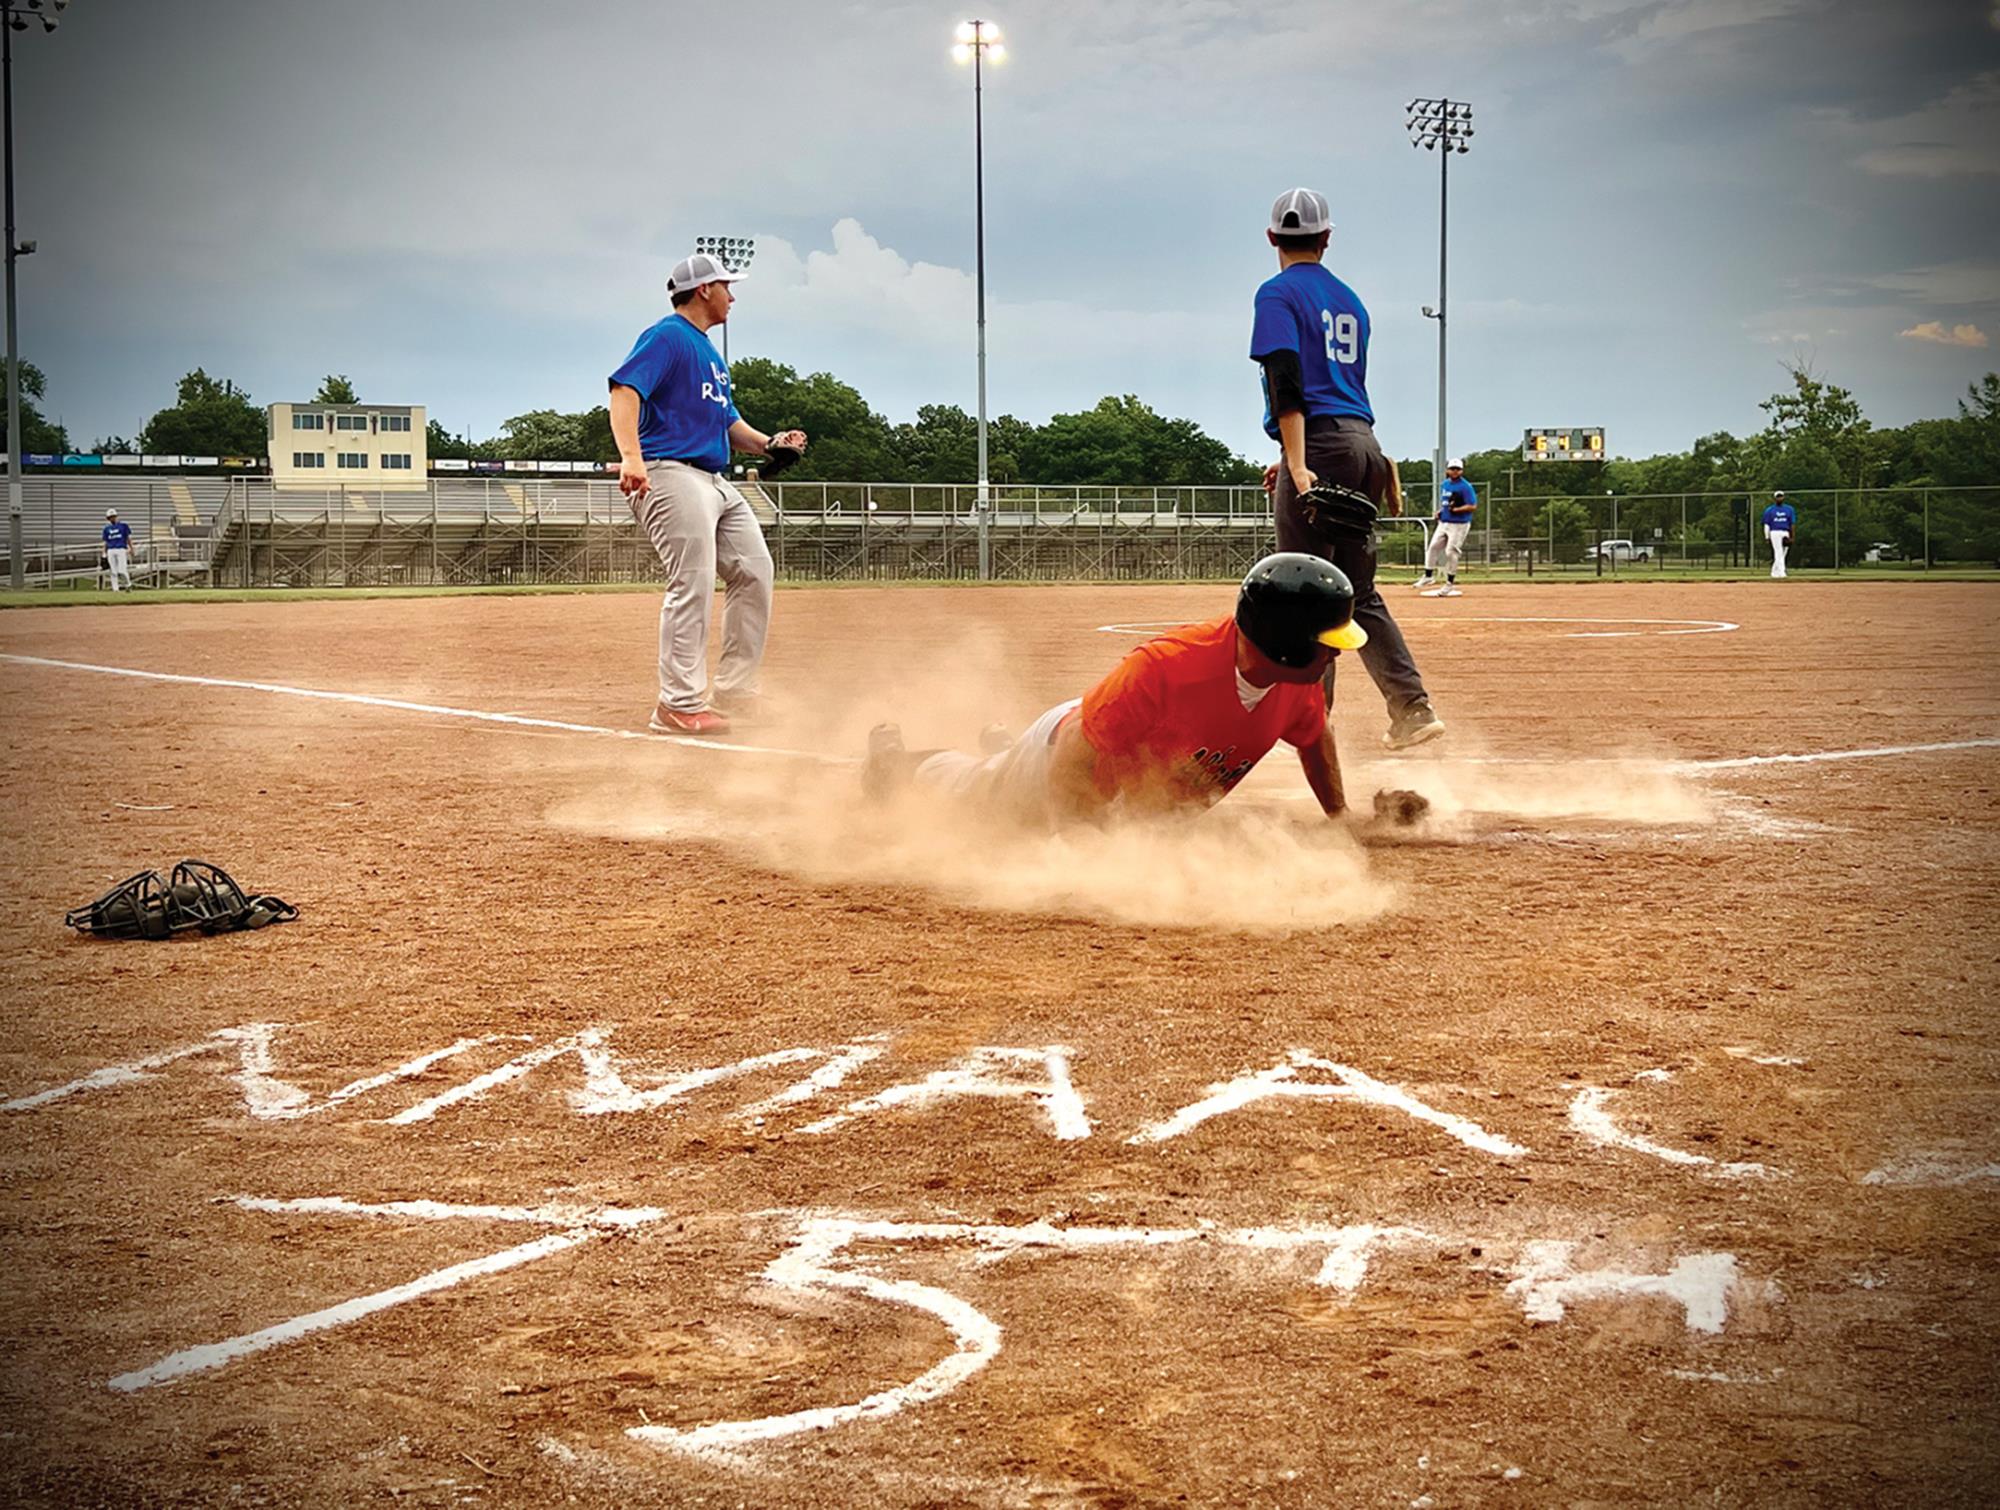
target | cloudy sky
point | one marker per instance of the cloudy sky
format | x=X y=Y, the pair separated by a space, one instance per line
x=472 y=204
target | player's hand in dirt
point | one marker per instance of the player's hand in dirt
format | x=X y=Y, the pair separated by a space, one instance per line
x=632 y=479
x=1397 y=808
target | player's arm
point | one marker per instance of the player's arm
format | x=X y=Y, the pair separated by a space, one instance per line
x=624 y=406
x=1321 y=763
x=1284 y=387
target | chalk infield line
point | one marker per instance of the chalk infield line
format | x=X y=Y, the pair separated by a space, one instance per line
x=733 y=747
x=820 y=1257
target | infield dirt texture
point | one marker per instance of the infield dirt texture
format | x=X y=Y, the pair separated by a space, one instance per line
x=630 y=1123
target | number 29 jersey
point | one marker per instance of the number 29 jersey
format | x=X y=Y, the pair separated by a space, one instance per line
x=1307 y=310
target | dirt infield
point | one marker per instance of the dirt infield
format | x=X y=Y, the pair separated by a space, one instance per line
x=631 y=1123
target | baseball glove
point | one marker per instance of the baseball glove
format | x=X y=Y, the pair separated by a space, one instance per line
x=1327 y=506
x=197 y=895
x=777 y=458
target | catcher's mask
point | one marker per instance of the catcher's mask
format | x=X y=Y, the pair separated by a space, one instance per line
x=1291 y=604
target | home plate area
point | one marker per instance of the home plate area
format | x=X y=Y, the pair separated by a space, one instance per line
x=1424 y=1300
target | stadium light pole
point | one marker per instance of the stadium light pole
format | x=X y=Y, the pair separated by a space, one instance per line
x=977 y=42
x=734 y=253
x=1444 y=127
x=15 y=13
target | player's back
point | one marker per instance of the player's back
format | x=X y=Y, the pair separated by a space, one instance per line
x=1170 y=720
x=1307 y=308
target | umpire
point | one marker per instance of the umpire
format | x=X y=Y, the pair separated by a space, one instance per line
x=1310 y=336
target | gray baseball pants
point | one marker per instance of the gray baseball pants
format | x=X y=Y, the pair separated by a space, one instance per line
x=703 y=528
x=1344 y=450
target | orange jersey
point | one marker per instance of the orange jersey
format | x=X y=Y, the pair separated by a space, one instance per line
x=1169 y=717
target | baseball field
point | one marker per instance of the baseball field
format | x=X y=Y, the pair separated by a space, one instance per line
x=634 y=1121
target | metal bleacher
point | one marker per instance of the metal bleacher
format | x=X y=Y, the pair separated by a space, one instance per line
x=171 y=520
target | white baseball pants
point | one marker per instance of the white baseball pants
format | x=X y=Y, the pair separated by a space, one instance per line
x=702 y=527
x=1016 y=780
x=1781 y=542
x=1446 y=546
x=118 y=563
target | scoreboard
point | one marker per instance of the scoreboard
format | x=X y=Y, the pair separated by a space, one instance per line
x=1563 y=445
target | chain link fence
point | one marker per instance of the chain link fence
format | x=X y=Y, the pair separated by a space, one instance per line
x=243 y=532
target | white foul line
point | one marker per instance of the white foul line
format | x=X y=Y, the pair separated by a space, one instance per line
x=436 y=710
x=519 y=720
x=1876 y=753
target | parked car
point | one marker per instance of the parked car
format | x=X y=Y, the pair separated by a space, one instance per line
x=1883 y=550
x=1618 y=550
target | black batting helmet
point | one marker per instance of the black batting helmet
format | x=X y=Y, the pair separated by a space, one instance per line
x=1292 y=603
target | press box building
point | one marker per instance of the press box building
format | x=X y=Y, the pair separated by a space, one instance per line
x=357 y=445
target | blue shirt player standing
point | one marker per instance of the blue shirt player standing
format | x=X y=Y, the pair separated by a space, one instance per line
x=1310 y=334
x=1780 y=520
x=1456 y=504
x=117 y=537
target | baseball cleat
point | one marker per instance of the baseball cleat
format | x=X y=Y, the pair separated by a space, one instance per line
x=882 y=770
x=994 y=738
x=1426 y=580
x=1415 y=725
x=701 y=723
x=1446 y=591
x=743 y=707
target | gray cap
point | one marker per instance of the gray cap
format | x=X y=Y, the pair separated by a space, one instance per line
x=693 y=272
x=1300 y=212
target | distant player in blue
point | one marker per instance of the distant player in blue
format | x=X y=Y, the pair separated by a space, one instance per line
x=1780 y=520
x=674 y=420
x=117 y=537
x=1310 y=336
x=1456 y=503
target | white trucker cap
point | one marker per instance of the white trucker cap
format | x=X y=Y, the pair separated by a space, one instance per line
x=1300 y=212
x=693 y=272
x=1456 y=461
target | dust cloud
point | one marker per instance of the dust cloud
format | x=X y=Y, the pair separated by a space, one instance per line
x=1248 y=869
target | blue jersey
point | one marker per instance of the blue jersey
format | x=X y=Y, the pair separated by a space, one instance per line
x=1456 y=501
x=1781 y=517
x=1308 y=310
x=118 y=536
x=685 y=408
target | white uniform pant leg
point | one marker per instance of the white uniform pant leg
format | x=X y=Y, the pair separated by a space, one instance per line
x=1434 y=550
x=1016 y=780
x=1454 y=544
x=1781 y=541
x=744 y=562
x=679 y=514
x=119 y=564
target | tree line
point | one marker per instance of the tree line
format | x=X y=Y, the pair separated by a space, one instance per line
x=1815 y=439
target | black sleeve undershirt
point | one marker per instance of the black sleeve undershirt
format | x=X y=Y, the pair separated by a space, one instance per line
x=1284 y=385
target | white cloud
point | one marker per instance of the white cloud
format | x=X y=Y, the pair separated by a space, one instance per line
x=1935 y=332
